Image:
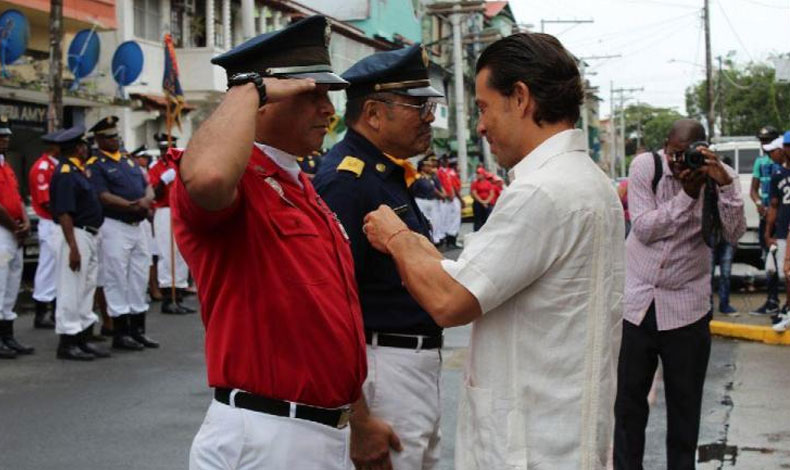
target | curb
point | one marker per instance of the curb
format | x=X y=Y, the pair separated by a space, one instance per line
x=763 y=334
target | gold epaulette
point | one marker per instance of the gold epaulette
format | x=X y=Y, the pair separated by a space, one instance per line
x=352 y=164
x=65 y=168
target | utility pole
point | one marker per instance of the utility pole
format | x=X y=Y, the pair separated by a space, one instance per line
x=456 y=12
x=55 y=108
x=720 y=99
x=621 y=92
x=708 y=71
x=584 y=110
x=613 y=132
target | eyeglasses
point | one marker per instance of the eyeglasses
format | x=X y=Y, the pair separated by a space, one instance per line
x=427 y=108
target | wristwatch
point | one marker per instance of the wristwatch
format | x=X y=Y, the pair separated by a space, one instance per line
x=250 y=77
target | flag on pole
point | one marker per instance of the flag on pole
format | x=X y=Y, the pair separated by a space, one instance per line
x=172 y=87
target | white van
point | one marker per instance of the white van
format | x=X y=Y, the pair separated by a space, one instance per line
x=743 y=151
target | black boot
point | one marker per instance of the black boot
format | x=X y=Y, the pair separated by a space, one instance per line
x=68 y=348
x=82 y=342
x=137 y=331
x=6 y=352
x=451 y=242
x=172 y=308
x=180 y=302
x=7 y=337
x=92 y=337
x=121 y=335
x=41 y=320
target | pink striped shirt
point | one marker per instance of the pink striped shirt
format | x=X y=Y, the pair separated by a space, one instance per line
x=666 y=258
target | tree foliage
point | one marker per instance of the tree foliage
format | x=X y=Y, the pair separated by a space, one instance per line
x=647 y=126
x=749 y=97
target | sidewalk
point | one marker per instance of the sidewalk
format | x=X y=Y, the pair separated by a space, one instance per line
x=746 y=326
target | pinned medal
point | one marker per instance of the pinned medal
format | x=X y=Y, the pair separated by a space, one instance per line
x=275 y=185
x=381 y=168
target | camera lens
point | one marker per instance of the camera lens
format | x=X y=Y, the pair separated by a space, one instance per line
x=692 y=157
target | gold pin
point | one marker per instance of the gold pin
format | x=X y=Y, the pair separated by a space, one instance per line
x=425 y=59
x=381 y=168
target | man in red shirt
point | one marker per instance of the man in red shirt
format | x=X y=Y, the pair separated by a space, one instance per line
x=483 y=193
x=285 y=347
x=44 y=283
x=161 y=175
x=14 y=228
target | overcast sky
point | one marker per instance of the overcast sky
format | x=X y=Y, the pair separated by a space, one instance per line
x=662 y=42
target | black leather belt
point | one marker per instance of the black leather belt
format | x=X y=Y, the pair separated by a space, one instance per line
x=405 y=341
x=134 y=223
x=332 y=417
x=88 y=228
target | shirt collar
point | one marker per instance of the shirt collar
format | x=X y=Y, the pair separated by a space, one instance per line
x=284 y=160
x=570 y=140
x=53 y=159
x=77 y=162
x=2 y=159
x=112 y=156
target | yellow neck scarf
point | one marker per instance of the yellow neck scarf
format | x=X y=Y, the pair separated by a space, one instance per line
x=410 y=173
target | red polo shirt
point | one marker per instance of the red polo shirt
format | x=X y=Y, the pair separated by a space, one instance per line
x=276 y=284
x=38 y=181
x=483 y=188
x=445 y=180
x=9 y=192
x=155 y=175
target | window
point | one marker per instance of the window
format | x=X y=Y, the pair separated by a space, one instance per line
x=147 y=20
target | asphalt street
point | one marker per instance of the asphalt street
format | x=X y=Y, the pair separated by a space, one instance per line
x=141 y=410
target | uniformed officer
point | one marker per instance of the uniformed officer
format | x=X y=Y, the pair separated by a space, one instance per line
x=76 y=208
x=143 y=159
x=162 y=173
x=285 y=347
x=14 y=228
x=425 y=193
x=126 y=198
x=39 y=178
x=389 y=114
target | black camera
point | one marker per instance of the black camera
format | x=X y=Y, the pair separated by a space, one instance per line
x=692 y=157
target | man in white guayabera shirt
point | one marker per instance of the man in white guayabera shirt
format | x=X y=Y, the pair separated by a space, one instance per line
x=542 y=281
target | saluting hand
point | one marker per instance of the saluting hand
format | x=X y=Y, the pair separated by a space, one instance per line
x=280 y=88
x=381 y=226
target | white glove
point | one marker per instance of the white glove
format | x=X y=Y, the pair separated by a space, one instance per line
x=168 y=176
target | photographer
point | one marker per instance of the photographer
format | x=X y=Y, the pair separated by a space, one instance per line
x=695 y=201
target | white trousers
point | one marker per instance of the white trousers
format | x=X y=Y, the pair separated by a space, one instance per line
x=453 y=214
x=238 y=439
x=46 y=270
x=125 y=260
x=10 y=273
x=402 y=388
x=430 y=209
x=775 y=261
x=162 y=233
x=148 y=229
x=75 y=290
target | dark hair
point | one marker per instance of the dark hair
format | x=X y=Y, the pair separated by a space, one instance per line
x=540 y=62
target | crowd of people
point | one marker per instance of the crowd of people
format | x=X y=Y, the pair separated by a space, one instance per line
x=324 y=296
x=103 y=230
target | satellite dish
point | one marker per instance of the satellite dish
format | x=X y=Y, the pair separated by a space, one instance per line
x=14 y=35
x=127 y=64
x=83 y=55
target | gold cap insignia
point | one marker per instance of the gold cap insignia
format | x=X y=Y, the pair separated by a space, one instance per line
x=381 y=168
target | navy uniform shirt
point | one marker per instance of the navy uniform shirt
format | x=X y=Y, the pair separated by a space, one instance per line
x=354 y=179
x=423 y=188
x=309 y=164
x=121 y=176
x=71 y=192
x=780 y=189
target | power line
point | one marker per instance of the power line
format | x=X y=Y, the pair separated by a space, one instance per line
x=732 y=28
x=662 y=3
x=631 y=30
x=766 y=5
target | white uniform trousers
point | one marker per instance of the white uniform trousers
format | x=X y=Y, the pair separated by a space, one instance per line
x=46 y=270
x=10 y=273
x=430 y=209
x=402 y=388
x=162 y=231
x=74 y=311
x=148 y=229
x=125 y=260
x=453 y=222
x=239 y=439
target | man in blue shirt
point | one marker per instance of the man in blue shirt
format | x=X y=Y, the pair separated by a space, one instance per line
x=777 y=218
x=126 y=198
x=76 y=209
x=389 y=114
x=764 y=167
